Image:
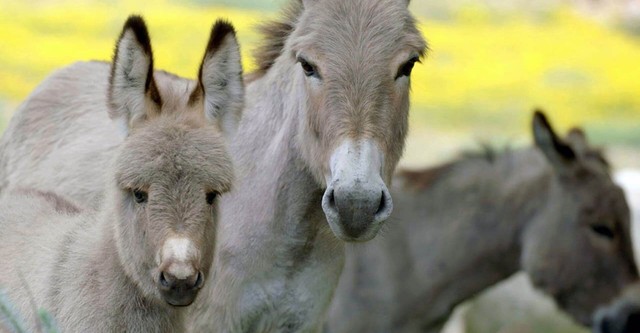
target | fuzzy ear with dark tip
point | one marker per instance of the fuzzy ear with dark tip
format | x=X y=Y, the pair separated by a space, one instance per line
x=220 y=79
x=561 y=156
x=132 y=89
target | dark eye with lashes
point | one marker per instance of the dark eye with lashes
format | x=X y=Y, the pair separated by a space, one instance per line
x=140 y=196
x=407 y=67
x=211 y=197
x=308 y=68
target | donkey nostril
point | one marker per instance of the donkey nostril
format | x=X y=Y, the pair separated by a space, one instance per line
x=382 y=205
x=603 y=326
x=332 y=199
x=199 y=280
x=163 y=280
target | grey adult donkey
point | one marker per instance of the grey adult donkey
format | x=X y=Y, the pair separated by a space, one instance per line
x=324 y=126
x=552 y=211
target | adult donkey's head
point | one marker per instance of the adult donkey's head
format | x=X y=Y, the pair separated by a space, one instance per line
x=580 y=250
x=350 y=62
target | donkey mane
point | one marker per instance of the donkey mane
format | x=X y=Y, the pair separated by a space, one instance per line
x=422 y=179
x=485 y=152
x=275 y=34
x=418 y=180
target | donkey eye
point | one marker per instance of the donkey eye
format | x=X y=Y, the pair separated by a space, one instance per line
x=309 y=69
x=603 y=231
x=406 y=68
x=140 y=196
x=211 y=197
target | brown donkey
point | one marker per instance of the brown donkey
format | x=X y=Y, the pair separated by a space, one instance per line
x=323 y=128
x=552 y=211
x=134 y=264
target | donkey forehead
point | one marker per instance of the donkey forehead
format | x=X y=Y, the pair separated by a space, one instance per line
x=170 y=153
x=175 y=92
x=366 y=30
x=603 y=202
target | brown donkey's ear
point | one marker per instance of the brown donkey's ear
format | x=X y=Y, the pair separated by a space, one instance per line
x=220 y=79
x=132 y=89
x=561 y=156
x=578 y=141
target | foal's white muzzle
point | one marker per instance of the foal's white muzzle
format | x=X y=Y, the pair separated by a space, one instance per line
x=179 y=278
x=356 y=201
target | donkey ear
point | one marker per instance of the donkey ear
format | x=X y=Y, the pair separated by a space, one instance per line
x=560 y=154
x=132 y=89
x=578 y=141
x=220 y=78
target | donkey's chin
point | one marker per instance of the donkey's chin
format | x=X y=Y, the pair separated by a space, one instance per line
x=346 y=234
x=179 y=299
x=579 y=314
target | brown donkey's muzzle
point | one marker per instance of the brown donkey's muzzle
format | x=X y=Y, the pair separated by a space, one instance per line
x=621 y=316
x=626 y=320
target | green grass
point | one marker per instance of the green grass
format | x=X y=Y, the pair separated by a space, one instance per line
x=13 y=321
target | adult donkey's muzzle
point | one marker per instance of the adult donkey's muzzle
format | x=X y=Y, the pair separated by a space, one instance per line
x=356 y=201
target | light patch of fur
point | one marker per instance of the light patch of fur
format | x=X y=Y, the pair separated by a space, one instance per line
x=180 y=249
x=179 y=253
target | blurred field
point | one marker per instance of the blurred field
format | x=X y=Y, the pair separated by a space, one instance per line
x=486 y=70
x=485 y=73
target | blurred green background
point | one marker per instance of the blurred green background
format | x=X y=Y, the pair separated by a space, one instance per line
x=491 y=62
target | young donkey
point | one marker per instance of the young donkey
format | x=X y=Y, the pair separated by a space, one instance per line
x=552 y=211
x=133 y=265
x=324 y=127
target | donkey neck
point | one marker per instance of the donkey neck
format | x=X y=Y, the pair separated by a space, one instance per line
x=474 y=242
x=274 y=242
x=270 y=165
